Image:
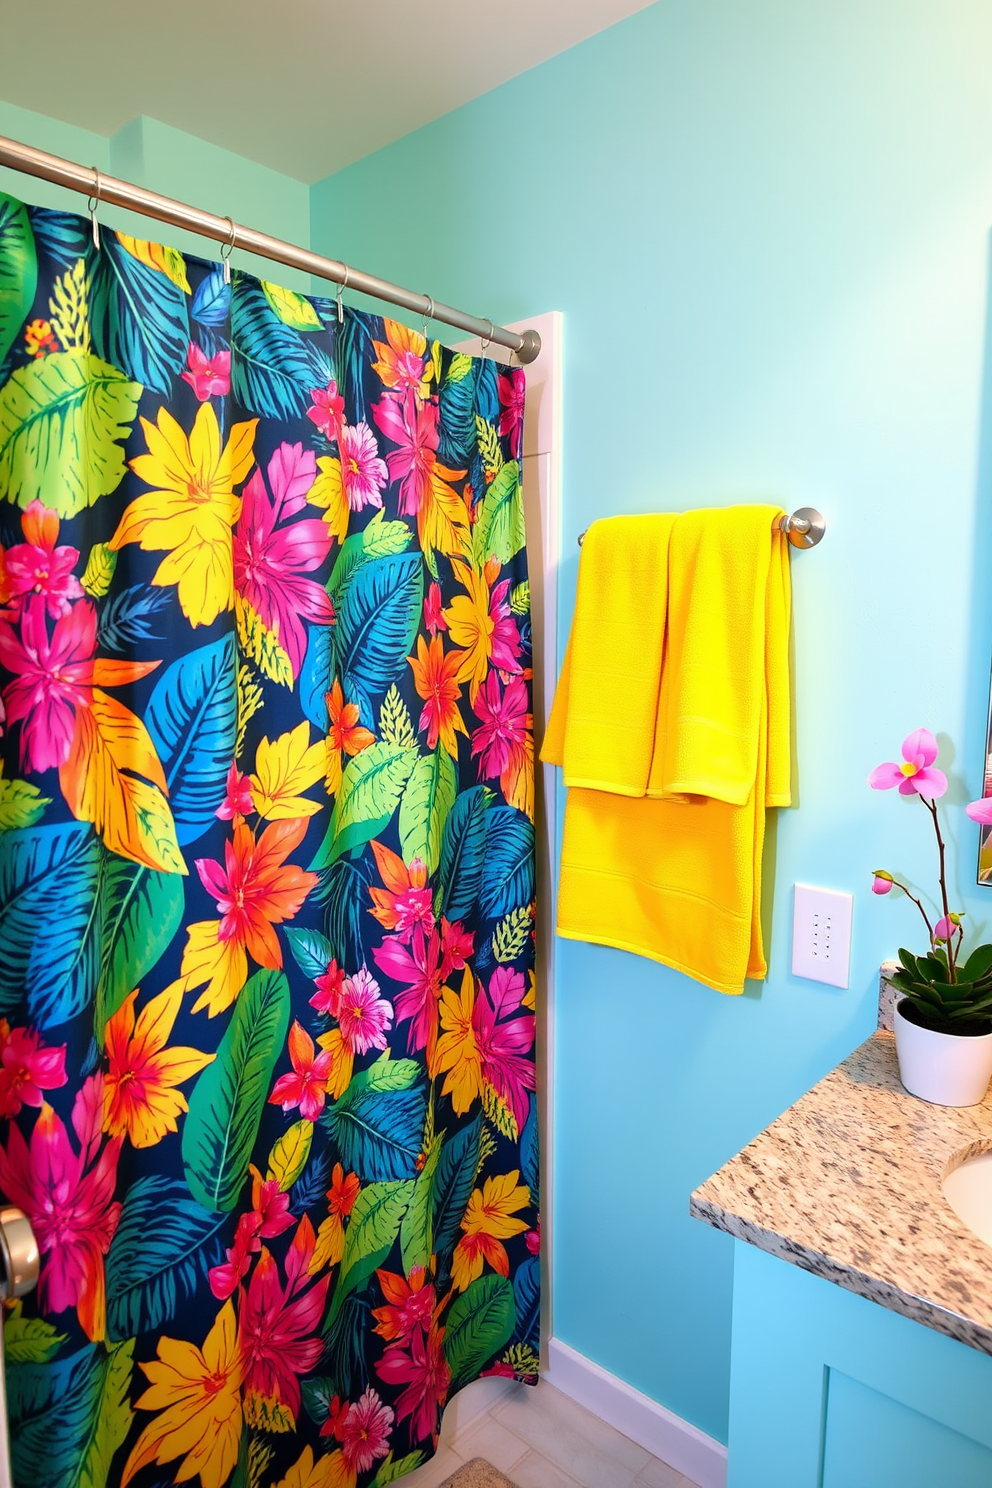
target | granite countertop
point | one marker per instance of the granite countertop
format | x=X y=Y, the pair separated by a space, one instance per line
x=846 y=1184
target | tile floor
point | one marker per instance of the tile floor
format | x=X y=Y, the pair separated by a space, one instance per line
x=540 y=1439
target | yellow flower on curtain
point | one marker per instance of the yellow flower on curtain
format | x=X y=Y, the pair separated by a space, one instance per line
x=490 y=1218
x=457 y=1054
x=329 y=1471
x=328 y=493
x=191 y=508
x=140 y=1099
x=197 y=1396
x=283 y=768
x=470 y=625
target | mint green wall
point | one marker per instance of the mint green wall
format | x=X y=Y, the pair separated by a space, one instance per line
x=767 y=225
x=164 y=159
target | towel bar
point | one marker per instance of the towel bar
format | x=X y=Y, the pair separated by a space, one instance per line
x=804 y=528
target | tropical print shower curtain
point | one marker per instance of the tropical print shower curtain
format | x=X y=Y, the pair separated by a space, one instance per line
x=266 y=873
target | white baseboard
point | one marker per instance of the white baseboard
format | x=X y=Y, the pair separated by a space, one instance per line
x=656 y=1429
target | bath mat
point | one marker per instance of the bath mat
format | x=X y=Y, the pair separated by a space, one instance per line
x=477 y=1474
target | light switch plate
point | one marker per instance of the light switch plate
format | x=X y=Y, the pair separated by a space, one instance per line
x=821 y=935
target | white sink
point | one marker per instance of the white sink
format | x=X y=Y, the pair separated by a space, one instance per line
x=968 y=1190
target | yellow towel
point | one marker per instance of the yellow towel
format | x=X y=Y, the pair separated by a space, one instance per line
x=674 y=871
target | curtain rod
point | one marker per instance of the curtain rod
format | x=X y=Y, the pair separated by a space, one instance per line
x=94 y=183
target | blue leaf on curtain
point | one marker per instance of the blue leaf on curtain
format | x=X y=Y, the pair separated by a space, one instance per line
x=378 y=622
x=52 y=1410
x=164 y=1243
x=527 y=1294
x=49 y=876
x=508 y=871
x=463 y=851
x=192 y=719
x=272 y=365
x=344 y=889
x=454 y=1179
x=138 y=316
x=378 y=1133
x=211 y=310
x=317 y=675
x=457 y=421
x=64 y=236
x=124 y=617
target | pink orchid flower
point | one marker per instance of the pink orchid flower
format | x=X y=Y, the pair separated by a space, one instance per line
x=209 y=377
x=916 y=775
x=980 y=811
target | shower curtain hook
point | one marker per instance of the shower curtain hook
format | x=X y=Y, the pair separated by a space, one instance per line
x=486 y=344
x=341 y=289
x=92 y=205
x=428 y=316
x=229 y=245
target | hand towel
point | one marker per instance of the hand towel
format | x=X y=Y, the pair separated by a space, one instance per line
x=675 y=873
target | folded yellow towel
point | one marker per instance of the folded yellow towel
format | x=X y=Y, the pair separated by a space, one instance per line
x=667 y=864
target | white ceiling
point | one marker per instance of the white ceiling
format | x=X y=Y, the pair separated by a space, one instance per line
x=305 y=86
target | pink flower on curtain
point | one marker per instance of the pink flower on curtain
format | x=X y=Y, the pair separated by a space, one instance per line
x=327 y=409
x=209 y=377
x=52 y=678
x=269 y=561
x=69 y=1199
x=364 y=1017
x=415 y=433
x=504 y=1037
x=364 y=1432
x=364 y=474
x=501 y=738
x=277 y=1324
x=306 y=1087
x=426 y=1375
x=27 y=1068
x=512 y=388
x=37 y=566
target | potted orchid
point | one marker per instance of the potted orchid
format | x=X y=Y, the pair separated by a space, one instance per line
x=943 y=1021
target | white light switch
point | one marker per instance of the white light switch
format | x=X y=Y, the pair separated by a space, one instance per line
x=821 y=935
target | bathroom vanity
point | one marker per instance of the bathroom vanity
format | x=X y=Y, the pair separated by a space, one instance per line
x=862 y=1324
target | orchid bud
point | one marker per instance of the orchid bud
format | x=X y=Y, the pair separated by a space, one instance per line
x=944 y=929
x=882 y=882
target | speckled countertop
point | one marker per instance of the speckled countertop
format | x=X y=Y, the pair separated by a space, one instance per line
x=846 y=1184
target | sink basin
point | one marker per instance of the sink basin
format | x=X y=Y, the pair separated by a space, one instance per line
x=968 y=1190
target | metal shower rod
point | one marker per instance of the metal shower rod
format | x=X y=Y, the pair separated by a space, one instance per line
x=94 y=183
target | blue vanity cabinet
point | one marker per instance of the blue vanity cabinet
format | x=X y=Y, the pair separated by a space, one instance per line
x=829 y=1390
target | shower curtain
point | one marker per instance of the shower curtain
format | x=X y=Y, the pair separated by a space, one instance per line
x=266 y=873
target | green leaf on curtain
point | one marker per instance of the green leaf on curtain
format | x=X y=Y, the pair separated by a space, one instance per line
x=372 y=1230
x=21 y=804
x=479 y=1323
x=192 y=717
x=143 y=909
x=111 y=1420
x=18 y=270
x=417 y=1231
x=385 y=1075
x=30 y=1340
x=138 y=315
x=63 y=419
x=370 y=792
x=292 y=308
x=312 y=952
x=162 y=1247
x=499 y=529
x=427 y=799
x=51 y=920
x=226 y=1106
x=392 y=1468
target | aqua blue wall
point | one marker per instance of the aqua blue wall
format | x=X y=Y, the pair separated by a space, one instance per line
x=767 y=225
x=167 y=160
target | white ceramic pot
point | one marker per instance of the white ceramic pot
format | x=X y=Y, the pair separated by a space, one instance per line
x=947 y=1069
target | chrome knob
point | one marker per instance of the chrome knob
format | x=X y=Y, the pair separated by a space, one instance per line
x=18 y=1254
